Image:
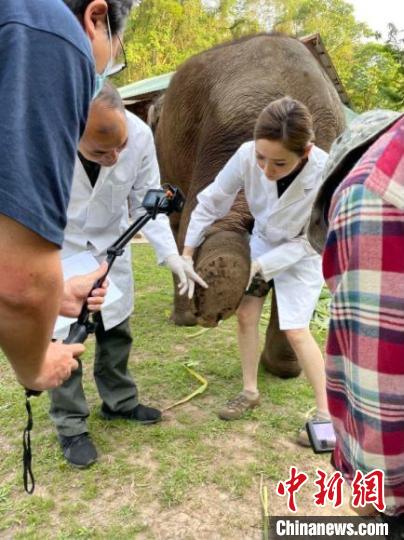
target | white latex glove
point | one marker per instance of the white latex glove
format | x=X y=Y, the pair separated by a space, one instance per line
x=183 y=267
x=255 y=268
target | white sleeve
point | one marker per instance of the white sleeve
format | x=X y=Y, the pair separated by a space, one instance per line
x=215 y=201
x=284 y=256
x=157 y=231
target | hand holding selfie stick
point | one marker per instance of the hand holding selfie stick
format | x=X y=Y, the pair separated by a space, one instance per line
x=156 y=201
x=166 y=200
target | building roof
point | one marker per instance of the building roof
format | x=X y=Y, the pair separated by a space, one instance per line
x=147 y=88
x=317 y=48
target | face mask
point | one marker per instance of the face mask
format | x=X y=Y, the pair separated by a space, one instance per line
x=101 y=77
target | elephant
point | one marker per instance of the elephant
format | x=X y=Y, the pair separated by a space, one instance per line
x=209 y=110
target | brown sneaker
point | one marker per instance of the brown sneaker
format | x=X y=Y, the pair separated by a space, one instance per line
x=236 y=407
x=302 y=437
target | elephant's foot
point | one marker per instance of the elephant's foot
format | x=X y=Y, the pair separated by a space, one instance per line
x=223 y=262
x=284 y=367
x=183 y=318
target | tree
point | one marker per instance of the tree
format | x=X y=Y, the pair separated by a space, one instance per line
x=163 y=33
x=376 y=79
x=334 y=20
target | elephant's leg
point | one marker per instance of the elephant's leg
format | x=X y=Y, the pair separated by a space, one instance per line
x=183 y=309
x=183 y=313
x=277 y=356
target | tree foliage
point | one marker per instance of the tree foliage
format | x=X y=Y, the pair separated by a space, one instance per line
x=333 y=19
x=376 y=79
x=372 y=72
x=161 y=34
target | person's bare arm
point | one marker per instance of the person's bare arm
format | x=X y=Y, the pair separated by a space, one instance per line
x=31 y=287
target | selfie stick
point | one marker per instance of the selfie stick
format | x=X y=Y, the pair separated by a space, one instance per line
x=80 y=330
x=166 y=201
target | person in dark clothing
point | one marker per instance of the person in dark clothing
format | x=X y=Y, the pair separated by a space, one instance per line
x=48 y=59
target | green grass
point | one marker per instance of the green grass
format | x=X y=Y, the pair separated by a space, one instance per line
x=147 y=472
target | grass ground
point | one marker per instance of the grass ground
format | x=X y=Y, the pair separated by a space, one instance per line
x=192 y=476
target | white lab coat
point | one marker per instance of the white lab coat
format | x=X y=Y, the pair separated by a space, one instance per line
x=278 y=239
x=97 y=217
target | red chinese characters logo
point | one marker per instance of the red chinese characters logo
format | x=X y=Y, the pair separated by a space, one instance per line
x=368 y=489
x=291 y=486
x=331 y=490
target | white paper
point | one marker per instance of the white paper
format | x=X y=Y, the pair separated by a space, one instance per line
x=77 y=265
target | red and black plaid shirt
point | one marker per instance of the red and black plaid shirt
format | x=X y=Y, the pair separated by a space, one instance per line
x=364 y=268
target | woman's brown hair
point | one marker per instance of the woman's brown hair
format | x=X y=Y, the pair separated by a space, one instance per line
x=288 y=121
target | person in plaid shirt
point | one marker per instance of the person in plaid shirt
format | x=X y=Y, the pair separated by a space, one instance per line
x=363 y=265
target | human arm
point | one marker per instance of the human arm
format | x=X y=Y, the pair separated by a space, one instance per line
x=215 y=201
x=31 y=287
x=183 y=268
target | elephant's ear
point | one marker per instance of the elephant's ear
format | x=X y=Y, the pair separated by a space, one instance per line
x=154 y=112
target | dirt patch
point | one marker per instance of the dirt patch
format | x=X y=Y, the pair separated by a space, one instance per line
x=145 y=459
x=210 y=514
x=237 y=450
x=193 y=414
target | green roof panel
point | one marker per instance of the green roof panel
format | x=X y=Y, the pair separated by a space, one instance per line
x=146 y=86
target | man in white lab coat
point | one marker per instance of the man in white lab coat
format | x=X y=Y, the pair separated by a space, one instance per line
x=116 y=166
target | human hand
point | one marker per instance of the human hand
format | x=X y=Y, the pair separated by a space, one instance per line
x=183 y=267
x=255 y=268
x=60 y=361
x=77 y=289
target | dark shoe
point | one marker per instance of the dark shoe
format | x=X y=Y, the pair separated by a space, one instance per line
x=141 y=414
x=78 y=450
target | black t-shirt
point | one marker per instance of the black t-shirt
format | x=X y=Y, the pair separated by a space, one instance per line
x=92 y=169
x=46 y=84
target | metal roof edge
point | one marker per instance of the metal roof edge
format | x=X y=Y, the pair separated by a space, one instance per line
x=146 y=86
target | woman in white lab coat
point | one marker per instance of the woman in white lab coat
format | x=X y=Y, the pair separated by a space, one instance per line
x=280 y=172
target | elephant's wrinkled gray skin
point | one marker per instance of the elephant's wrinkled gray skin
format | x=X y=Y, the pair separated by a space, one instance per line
x=209 y=110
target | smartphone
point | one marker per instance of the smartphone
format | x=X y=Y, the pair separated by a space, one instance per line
x=321 y=435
